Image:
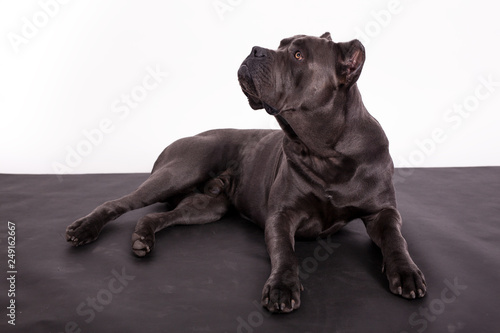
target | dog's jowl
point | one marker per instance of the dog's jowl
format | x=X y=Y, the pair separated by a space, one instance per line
x=328 y=165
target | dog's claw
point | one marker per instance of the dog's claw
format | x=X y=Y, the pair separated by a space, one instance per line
x=83 y=231
x=141 y=246
x=405 y=279
x=281 y=295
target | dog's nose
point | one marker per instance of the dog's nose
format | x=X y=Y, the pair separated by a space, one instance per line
x=259 y=52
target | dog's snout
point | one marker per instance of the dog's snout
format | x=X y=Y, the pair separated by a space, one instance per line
x=259 y=52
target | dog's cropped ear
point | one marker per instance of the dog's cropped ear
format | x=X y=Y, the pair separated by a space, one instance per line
x=350 y=60
x=326 y=35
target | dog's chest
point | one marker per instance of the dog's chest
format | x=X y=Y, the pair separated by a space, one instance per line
x=319 y=214
x=323 y=172
x=322 y=218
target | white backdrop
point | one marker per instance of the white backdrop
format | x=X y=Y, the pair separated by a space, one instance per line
x=103 y=86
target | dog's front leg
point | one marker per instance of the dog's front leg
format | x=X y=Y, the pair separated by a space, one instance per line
x=405 y=278
x=281 y=292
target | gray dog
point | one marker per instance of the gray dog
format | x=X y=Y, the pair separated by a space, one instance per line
x=328 y=165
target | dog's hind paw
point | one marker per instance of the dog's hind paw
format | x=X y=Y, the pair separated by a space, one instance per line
x=142 y=245
x=83 y=231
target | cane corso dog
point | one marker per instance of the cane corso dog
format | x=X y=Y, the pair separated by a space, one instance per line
x=329 y=164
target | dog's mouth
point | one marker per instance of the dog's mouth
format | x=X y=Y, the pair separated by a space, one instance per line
x=248 y=87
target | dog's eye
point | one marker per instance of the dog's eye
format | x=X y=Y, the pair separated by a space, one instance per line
x=298 y=55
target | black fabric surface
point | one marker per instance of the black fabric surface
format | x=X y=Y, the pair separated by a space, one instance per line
x=209 y=278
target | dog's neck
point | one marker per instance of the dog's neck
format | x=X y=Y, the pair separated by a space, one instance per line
x=321 y=134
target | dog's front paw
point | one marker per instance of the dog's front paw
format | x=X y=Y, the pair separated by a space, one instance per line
x=83 y=231
x=405 y=278
x=281 y=293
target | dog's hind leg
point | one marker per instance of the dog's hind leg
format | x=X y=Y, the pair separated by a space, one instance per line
x=181 y=167
x=87 y=228
x=197 y=208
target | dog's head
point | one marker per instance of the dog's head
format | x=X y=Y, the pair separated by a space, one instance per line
x=301 y=75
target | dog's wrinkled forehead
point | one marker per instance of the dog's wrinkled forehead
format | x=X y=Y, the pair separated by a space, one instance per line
x=309 y=44
x=287 y=41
